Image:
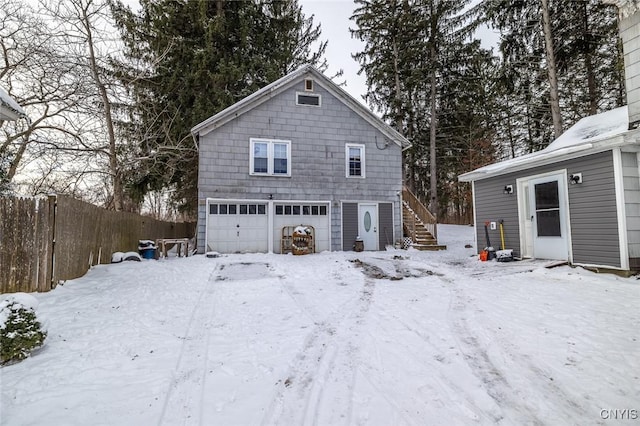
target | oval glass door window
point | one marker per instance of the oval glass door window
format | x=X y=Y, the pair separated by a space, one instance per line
x=367 y=221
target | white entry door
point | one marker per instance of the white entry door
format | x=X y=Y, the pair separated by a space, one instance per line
x=368 y=225
x=548 y=214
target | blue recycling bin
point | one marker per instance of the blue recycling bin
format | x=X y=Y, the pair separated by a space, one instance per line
x=148 y=253
x=147 y=249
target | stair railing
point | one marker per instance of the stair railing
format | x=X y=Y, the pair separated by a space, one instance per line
x=419 y=209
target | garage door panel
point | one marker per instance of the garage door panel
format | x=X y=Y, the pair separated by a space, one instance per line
x=237 y=227
x=300 y=213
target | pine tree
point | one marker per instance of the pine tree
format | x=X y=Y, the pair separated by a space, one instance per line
x=189 y=59
x=467 y=126
x=408 y=45
x=585 y=48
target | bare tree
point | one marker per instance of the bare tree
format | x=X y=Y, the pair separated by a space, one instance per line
x=86 y=28
x=54 y=61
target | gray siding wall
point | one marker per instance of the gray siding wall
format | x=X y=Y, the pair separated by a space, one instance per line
x=493 y=205
x=385 y=225
x=200 y=228
x=593 y=212
x=318 y=136
x=631 y=179
x=630 y=33
x=349 y=225
x=593 y=216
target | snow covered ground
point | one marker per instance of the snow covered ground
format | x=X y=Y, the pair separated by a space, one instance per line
x=385 y=338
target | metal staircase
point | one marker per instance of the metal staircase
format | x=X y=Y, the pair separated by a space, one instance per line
x=418 y=224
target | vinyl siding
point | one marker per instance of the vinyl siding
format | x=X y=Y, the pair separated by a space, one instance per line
x=349 y=225
x=493 y=205
x=592 y=211
x=200 y=230
x=385 y=225
x=631 y=46
x=318 y=137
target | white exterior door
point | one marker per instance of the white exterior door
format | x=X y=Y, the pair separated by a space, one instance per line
x=368 y=225
x=548 y=215
x=237 y=227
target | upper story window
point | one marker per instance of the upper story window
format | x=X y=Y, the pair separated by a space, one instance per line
x=354 y=160
x=270 y=157
x=312 y=99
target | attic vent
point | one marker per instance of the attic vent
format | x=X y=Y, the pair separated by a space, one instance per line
x=307 y=99
x=308 y=85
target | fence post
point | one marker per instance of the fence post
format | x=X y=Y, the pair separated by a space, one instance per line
x=52 y=202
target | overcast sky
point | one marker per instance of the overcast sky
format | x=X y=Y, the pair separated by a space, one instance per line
x=333 y=16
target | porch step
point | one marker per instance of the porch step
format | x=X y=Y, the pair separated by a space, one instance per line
x=423 y=239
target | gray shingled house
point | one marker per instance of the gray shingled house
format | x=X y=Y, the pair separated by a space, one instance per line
x=578 y=200
x=300 y=151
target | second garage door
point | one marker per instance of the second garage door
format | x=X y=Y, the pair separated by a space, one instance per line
x=301 y=213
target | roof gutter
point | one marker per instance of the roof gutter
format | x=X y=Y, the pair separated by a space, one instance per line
x=555 y=156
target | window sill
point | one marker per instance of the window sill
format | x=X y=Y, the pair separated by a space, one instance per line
x=269 y=175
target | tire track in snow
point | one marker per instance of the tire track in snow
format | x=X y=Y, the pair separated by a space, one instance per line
x=429 y=358
x=186 y=387
x=299 y=397
x=510 y=401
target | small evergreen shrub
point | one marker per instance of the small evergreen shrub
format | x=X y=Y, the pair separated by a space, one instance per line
x=20 y=331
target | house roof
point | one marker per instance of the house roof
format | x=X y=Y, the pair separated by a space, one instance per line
x=286 y=82
x=9 y=109
x=591 y=134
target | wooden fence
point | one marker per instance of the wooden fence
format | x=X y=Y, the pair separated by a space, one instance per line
x=44 y=241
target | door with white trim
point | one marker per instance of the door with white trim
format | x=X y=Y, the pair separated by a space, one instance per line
x=368 y=225
x=549 y=219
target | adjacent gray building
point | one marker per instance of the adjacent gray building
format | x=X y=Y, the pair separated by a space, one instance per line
x=578 y=200
x=300 y=151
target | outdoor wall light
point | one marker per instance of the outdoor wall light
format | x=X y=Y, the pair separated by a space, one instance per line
x=508 y=189
x=575 y=178
x=271 y=196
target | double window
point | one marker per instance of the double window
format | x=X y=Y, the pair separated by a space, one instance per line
x=270 y=157
x=354 y=155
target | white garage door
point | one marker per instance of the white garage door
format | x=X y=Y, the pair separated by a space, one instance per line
x=294 y=214
x=237 y=227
